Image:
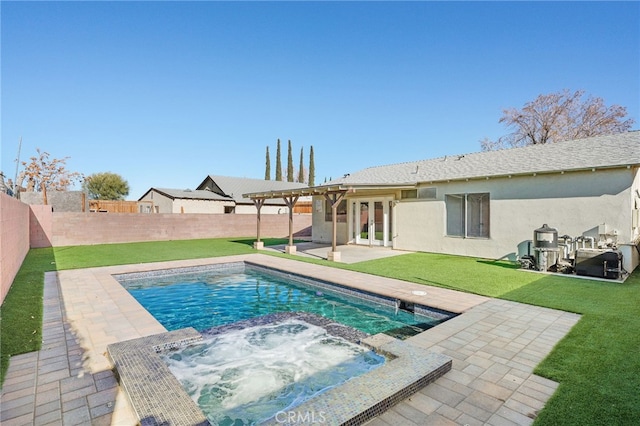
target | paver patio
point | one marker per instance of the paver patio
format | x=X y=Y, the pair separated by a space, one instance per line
x=495 y=345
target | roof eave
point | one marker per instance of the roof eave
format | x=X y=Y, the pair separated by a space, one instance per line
x=529 y=173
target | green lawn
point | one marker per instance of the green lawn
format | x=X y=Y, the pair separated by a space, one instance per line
x=597 y=363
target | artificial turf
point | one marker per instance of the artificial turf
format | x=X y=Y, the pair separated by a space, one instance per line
x=21 y=311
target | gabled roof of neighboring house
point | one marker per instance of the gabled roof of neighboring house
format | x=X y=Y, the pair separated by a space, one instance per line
x=235 y=187
x=619 y=150
x=187 y=194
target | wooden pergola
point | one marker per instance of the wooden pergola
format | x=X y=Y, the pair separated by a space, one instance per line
x=333 y=193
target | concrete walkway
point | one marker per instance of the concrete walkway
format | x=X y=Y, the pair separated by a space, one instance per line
x=348 y=253
x=495 y=345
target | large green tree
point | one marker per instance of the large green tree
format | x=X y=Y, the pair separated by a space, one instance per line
x=558 y=117
x=106 y=186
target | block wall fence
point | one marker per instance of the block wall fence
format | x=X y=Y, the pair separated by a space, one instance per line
x=103 y=228
x=25 y=226
x=14 y=239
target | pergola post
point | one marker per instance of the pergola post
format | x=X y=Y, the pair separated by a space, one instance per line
x=258 y=245
x=334 y=199
x=290 y=202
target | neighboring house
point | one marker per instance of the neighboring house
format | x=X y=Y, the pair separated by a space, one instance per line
x=216 y=194
x=488 y=204
x=234 y=188
x=165 y=200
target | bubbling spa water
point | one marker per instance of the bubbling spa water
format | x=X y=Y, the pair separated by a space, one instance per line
x=246 y=376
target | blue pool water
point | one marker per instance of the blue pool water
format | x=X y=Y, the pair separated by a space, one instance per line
x=210 y=298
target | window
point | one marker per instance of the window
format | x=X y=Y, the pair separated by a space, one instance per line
x=467 y=215
x=408 y=194
x=455 y=215
x=341 y=211
x=427 y=193
x=229 y=209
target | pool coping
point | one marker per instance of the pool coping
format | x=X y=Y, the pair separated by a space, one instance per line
x=147 y=380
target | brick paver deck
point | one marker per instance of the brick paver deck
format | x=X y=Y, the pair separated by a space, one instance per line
x=495 y=345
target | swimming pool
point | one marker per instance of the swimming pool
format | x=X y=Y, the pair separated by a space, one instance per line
x=147 y=379
x=216 y=295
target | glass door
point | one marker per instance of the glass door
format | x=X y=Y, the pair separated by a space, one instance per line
x=361 y=222
x=371 y=222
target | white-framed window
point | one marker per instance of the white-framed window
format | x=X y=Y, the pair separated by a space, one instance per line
x=468 y=215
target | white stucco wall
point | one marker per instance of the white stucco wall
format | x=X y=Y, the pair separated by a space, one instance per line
x=575 y=203
x=161 y=203
x=182 y=205
x=321 y=230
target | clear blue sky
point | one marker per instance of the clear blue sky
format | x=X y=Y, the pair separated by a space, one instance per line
x=166 y=93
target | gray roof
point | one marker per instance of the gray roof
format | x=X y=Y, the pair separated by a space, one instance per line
x=617 y=150
x=189 y=194
x=235 y=187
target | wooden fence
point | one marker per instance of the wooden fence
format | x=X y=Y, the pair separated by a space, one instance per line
x=105 y=206
x=303 y=207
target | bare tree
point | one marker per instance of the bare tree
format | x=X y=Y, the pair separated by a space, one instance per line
x=557 y=117
x=43 y=174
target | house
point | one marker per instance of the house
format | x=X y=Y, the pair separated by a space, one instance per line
x=216 y=194
x=488 y=204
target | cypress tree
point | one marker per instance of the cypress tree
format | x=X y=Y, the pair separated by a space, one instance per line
x=278 y=163
x=289 y=164
x=312 y=169
x=267 y=167
x=301 y=170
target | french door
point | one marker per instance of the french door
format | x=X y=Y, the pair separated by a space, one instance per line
x=371 y=221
